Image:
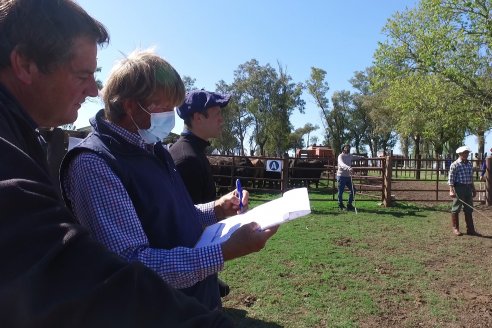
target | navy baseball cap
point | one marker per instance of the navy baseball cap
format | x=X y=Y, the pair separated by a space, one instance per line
x=198 y=101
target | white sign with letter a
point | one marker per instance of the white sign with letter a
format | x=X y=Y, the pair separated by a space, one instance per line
x=273 y=165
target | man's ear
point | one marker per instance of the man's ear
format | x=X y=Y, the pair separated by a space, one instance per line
x=129 y=106
x=195 y=116
x=198 y=116
x=23 y=68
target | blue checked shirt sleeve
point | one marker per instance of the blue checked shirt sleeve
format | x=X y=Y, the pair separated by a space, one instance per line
x=452 y=169
x=460 y=172
x=101 y=204
x=206 y=213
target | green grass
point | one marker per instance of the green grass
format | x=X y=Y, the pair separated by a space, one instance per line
x=341 y=269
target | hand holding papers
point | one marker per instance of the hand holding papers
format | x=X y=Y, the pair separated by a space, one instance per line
x=292 y=205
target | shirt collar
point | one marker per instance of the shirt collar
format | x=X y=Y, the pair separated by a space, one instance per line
x=187 y=134
x=19 y=109
x=128 y=136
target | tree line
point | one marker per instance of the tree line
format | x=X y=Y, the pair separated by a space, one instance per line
x=429 y=87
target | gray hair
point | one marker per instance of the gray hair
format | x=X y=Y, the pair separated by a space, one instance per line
x=44 y=31
x=138 y=77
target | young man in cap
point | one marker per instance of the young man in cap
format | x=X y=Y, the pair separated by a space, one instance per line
x=123 y=186
x=53 y=273
x=201 y=112
x=462 y=190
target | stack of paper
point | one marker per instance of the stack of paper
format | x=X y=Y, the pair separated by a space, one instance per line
x=293 y=204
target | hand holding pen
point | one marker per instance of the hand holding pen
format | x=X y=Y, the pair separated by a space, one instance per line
x=232 y=203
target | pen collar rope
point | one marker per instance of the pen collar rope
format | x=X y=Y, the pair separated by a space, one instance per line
x=473 y=208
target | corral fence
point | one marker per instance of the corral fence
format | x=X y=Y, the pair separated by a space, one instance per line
x=385 y=179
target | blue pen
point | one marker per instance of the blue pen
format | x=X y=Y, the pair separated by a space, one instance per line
x=240 y=194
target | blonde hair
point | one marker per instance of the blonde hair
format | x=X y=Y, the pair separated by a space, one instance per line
x=138 y=77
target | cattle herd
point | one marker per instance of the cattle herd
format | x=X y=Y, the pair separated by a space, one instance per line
x=253 y=172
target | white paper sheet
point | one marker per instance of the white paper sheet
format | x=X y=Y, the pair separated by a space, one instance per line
x=292 y=205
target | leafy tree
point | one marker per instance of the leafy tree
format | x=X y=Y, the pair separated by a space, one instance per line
x=318 y=88
x=296 y=138
x=374 y=128
x=236 y=122
x=307 y=129
x=269 y=97
x=98 y=81
x=450 y=39
x=189 y=83
x=286 y=97
x=253 y=84
x=337 y=121
x=427 y=107
x=381 y=134
x=171 y=138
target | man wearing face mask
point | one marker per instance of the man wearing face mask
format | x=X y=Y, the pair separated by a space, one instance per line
x=121 y=183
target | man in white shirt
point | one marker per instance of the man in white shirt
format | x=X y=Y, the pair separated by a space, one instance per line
x=344 y=177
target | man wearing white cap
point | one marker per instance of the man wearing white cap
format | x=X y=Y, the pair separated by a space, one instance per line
x=462 y=190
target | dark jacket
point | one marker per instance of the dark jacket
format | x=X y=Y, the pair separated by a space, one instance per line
x=191 y=161
x=162 y=203
x=53 y=274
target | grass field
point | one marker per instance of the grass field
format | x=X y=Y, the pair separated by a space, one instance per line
x=381 y=267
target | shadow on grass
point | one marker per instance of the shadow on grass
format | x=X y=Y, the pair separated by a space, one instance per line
x=398 y=210
x=483 y=236
x=240 y=319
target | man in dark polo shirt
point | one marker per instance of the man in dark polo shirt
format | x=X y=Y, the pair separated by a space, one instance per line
x=462 y=190
x=201 y=112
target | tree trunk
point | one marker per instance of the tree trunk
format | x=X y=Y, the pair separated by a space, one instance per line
x=481 y=142
x=404 y=146
x=416 y=140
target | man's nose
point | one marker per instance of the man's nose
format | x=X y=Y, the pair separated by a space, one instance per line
x=92 y=89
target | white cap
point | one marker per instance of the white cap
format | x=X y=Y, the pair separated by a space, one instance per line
x=462 y=149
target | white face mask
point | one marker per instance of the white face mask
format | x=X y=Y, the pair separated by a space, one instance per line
x=161 y=125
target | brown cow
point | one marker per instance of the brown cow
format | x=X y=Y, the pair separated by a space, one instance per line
x=227 y=169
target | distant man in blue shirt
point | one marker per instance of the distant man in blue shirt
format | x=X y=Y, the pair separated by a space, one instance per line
x=462 y=190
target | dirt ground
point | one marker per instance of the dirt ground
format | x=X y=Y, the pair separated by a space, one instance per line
x=471 y=298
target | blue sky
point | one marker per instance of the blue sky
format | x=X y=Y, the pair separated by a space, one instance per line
x=208 y=40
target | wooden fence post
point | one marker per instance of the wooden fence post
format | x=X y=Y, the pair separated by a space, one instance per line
x=284 y=177
x=383 y=177
x=418 y=163
x=438 y=172
x=233 y=172
x=387 y=182
x=488 y=181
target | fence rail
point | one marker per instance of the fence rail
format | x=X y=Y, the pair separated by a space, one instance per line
x=380 y=178
x=376 y=178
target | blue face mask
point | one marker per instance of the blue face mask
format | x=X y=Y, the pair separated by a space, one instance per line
x=161 y=125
